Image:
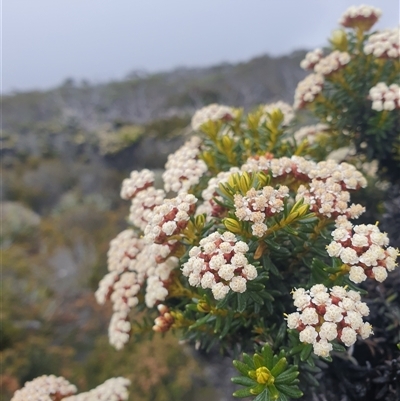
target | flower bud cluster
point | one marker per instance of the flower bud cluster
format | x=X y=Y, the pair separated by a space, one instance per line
x=122 y=284
x=170 y=218
x=132 y=265
x=142 y=206
x=325 y=315
x=219 y=263
x=332 y=63
x=122 y=255
x=312 y=58
x=309 y=132
x=213 y=112
x=384 y=44
x=257 y=206
x=139 y=189
x=385 y=97
x=183 y=168
x=138 y=181
x=365 y=249
x=45 y=388
x=307 y=90
x=302 y=169
x=285 y=108
x=114 y=389
x=119 y=329
x=158 y=276
x=362 y=17
x=328 y=199
x=163 y=322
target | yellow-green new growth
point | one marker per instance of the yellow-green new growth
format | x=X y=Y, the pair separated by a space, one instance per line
x=267 y=376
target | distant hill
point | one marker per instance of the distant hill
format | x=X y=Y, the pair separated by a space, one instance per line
x=141 y=98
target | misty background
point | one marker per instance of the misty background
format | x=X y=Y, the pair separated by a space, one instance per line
x=46 y=41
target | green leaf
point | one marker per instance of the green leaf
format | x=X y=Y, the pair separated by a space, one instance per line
x=256 y=298
x=296 y=350
x=218 y=323
x=281 y=334
x=263 y=396
x=241 y=367
x=242 y=393
x=242 y=302
x=227 y=325
x=257 y=389
x=205 y=319
x=266 y=295
x=338 y=347
x=288 y=376
x=279 y=367
x=273 y=392
x=243 y=381
x=283 y=397
x=305 y=353
x=192 y=307
x=267 y=355
x=306 y=219
x=248 y=360
x=291 y=391
x=310 y=379
x=258 y=361
x=255 y=286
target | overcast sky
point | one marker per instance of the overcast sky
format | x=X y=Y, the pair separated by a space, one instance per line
x=46 y=41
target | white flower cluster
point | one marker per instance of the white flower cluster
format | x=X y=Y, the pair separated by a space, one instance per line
x=114 y=389
x=309 y=132
x=307 y=90
x=123 y=249
x=343 y=173
x=365 y=249
x=170 y=218
x=213 y=112
x=362 y=16
x=121 y=259
x=385 y=97
x=158 y=277
x=384 y=44
x=132 y=265
x=138 y=181
x=122 y=284
x=119 y=329
x=285 y=108
x=311 y=59
x=332 y=63
x=45 y=388
x=327 y=198
x=325 y=315
x=305 y=170
x=257 y=206
x=144 y=197
x=210 y=207
x=143 y=204
x=183 y=168
x=219 y=263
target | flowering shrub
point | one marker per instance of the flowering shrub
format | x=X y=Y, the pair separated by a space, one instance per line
x=250 y=247
x=248 y=221
x=248 y=218
x=354 y=88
